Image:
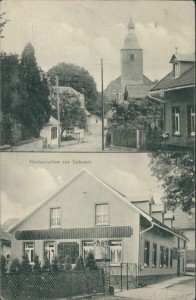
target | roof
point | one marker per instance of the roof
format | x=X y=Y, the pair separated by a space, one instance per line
x=170 y=82
x=8 y=223
x=131 y=41
x=53 y=121
x=183 y=57
x=120 y=195
x=157 y=207
x=69 y=182
x=169 y=215
x=4 y=236
x=131 y=24
x=184 y=220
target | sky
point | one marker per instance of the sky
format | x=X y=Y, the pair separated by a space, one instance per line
x=83 y=32
x=25 y=183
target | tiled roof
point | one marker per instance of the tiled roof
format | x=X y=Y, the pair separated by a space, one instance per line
x=169 y=81
x=184 y=220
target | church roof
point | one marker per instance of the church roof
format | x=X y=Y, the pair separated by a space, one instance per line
x=131 y=41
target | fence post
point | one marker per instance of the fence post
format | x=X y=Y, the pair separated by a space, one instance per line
x=127 y=277
x=138 y=139
x=121 y=277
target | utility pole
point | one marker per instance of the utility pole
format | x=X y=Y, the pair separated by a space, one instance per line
x=102 y=114
x=58 y=111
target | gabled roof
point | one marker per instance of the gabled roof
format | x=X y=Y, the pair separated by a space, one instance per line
x=68 y=183
x=187 y=79
x=182 y=57
x=53 y=121
x=8 y=223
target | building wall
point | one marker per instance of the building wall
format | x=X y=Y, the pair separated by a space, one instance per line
x=156 y=236
x=77 y=202
x=182 y=98
x=46 y=133
x=131 y=71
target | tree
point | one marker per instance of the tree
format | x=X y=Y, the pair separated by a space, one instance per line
x=68 y=265
x=78 y=78
x=15 y=266
x=176 y=172
x=3 y=268
x=37 y=264
x=138 y=113
x=90 y=261
x=79 y=266
x=25 y=264
x=3 y=22
x=71 y=112
x=10 y=95
x=34 y=109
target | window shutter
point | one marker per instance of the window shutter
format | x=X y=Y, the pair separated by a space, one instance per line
x=189 y=119
x=173 y=119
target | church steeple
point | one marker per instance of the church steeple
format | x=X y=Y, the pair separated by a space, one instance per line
x=131 y=41
x=130 y=25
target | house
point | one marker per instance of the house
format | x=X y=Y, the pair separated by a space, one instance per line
x=132 y=83
x=51 y=133
x=5 y=246
x=185 y=223
x=179 y=108
x=86 y=214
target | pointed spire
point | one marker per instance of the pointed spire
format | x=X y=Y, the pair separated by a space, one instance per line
x=131 y=24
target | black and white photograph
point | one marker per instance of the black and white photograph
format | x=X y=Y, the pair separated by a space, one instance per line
x=94 y=76
x=97 y=163
x=76 y=226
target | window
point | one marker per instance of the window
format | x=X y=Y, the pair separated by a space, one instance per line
x=166 y=257
x=154 y=255
x=53 y=133
x=132 y=57
x=146 y=253
x=55 y=219
x=161 y=257
x=171 y=258
x=176 y=70
x=115 y=252
x=176 y=120
x=87 y=247
x=49 y=250
x=191 y=120
x=29 y=250
x=101 y=214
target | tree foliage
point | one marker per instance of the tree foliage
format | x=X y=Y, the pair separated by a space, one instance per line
x=34 y=109
x=138 y=113
x=79 y=266
x=3 y=22
x=15 y=266
x=3 y=268
x=71 y=112
x=37 y=264
x=90 y=262
x=175 y=171
x=25 y=264
x=78 y=78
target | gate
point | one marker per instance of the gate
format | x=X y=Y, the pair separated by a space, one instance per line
x=122 y=137
x=122 y=277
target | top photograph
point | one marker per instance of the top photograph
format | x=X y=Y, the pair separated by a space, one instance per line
x=97 y=76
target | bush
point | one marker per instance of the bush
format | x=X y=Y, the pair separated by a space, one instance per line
x=37 y=264
x=25 y=264
x=3 y=268
x=15 y=266
x=46 y=265
x=79 y=264
x=68 y=265
x=90 y=261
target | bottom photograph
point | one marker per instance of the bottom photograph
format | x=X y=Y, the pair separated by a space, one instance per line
x=98 y=226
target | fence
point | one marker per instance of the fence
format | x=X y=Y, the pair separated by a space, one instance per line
x=51 y=285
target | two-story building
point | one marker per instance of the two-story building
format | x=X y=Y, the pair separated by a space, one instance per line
x=179 y=106
x=85 y=213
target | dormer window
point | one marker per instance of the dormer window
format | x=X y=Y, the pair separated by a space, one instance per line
x=176 y=70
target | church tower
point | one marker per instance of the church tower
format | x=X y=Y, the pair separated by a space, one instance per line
x=131 y=60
